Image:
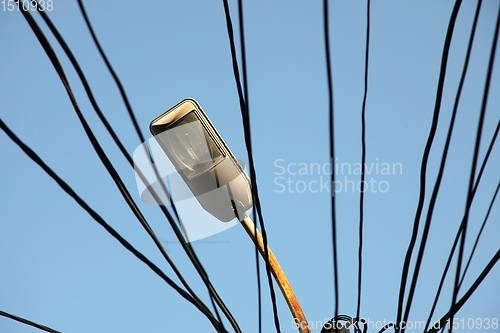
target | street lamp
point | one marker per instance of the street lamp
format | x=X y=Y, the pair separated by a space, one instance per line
x=203 y=160
x=216 y=179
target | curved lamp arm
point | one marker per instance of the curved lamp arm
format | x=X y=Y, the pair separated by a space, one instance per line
x=279 y=276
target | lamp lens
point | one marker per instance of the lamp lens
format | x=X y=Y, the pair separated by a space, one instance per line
x=192 y=146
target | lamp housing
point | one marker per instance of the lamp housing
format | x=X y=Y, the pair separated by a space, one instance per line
x=204 y=161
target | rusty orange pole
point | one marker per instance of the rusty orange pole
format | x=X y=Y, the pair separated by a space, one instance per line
x=279 y=276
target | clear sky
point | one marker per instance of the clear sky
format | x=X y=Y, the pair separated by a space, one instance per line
x=60 y=268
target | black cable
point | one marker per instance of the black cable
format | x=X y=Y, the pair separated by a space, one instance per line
x=28 y=322
x=124 y=152
x=463 y=225
x=356 y=322
x=332 y=151
x=476 y=242
x=455 y=242
x=448 y=317
x=234 y=61
x=243 y=99
x=386 y=327
x=103 y=119
x=442 y=165
x=111 y=70
x=236 y=73
x=425 y=158
x=141 y=138
x=187 y=247
x=133 y=119
x=253 y=176
x=363 y=159
x=82 y=203
x=52 y=56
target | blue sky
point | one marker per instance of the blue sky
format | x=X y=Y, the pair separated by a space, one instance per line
x=60 y=268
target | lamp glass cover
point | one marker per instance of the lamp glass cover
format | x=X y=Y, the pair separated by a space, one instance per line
x=191 y=145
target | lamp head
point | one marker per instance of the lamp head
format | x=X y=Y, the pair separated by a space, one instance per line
x=203 y=160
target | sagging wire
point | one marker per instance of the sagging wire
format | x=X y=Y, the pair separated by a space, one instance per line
x=28 y=322
x=363 y=159
x=330 y=327
x=448 y=317
x=121 y=187
x=87 y=129
x=442 y=165
x=476 y=242
x=455 y=242
x=386 y=327
x=243 y=99
x=253 y=176
x=214 y=297
x=236 y=73
x=331 y=125
x=187 y=247
x=425 y=158
x=82 y=203
x=463 y=226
